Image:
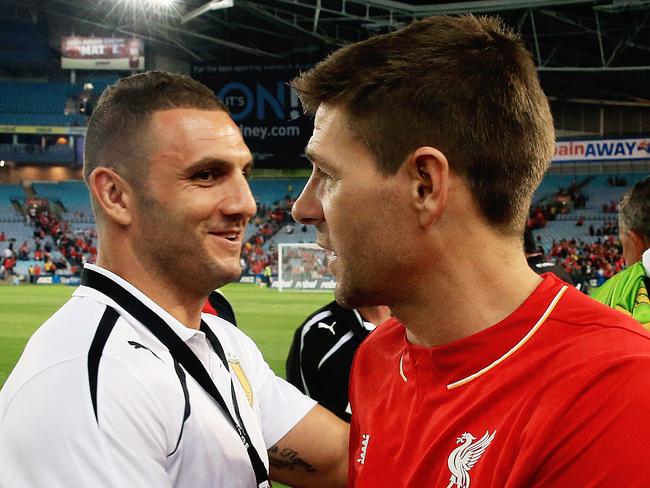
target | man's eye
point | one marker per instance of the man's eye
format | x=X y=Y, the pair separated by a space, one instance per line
x=322 y=173
x=207 y=175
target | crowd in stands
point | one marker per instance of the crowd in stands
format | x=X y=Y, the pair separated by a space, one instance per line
x=616 y=181
x=8 y=262
x=540 y=215
x=589 y=261
x=562 y=202
x=574 y=194
x=268 y=221
x=609 y=228
x=611 y=207
x=54 y=247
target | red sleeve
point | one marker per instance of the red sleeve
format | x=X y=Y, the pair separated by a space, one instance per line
x=604 y=437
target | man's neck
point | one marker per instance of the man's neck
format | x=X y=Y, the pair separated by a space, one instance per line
x=375 y=315
x=462 y=298
x=180 y=304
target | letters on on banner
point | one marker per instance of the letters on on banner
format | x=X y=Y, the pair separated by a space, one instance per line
x=602 y=150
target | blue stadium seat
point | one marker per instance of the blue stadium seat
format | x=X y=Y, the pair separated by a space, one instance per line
x=267 y=191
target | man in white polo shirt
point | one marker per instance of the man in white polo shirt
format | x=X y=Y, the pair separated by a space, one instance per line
x=128 y=384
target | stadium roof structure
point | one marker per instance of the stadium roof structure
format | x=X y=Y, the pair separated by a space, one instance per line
x=585 y=49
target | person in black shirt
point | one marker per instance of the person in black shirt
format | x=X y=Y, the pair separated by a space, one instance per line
x=538 y=262
x=320 y=357
x=217 y=304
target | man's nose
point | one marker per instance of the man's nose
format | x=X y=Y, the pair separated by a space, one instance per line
x=307 y=209
x=241 y=200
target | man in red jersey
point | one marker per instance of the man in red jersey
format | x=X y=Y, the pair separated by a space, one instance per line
x=428 y=144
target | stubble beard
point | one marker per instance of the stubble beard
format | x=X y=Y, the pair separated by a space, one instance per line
x=176 y=255
x=352 y=289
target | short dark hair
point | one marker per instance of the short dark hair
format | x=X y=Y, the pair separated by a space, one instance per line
x=634 y=209
x=465 y=85
x=116 y=134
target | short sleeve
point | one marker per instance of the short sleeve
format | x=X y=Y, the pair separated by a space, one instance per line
x=281 y=405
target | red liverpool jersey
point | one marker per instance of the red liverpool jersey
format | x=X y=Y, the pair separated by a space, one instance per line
x=555 y=395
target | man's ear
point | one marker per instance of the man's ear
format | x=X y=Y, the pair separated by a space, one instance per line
x=639 y=244
x=113 y=195
x=428 y=169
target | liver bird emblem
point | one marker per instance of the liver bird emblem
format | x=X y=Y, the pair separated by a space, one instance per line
x=465 y=456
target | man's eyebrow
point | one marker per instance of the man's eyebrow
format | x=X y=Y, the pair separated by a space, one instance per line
x=314 y=157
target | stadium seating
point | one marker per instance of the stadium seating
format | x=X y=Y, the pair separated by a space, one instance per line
x=35 y=98
x=57 y=154
x=599 y=193
x=37 y=104
x=9 y=193
x=21 y=231
x=550 y=185
x=297 y=235
x=267 y=191
x=74 y=197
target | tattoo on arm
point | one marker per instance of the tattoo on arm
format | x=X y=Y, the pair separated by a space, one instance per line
x=285 y=458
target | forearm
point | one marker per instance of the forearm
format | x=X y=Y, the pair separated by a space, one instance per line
x=313 y=454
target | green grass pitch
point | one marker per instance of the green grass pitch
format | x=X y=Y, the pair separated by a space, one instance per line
x=266 y=315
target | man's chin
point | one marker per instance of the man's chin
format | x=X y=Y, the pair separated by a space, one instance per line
x=222 y=275
x=232 y=274
x=349 y=297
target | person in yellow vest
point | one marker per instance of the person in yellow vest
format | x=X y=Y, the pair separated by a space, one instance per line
x=267 y=275
x=627 y=290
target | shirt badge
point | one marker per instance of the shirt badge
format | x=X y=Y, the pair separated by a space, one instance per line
x=365 y=439
x=465 y=456
x=236 y=368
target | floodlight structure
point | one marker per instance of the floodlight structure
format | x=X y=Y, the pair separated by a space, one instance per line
x=212 y=5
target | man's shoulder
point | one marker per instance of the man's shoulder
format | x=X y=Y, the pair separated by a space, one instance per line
x=583 y=311
x=85 y=343
x=66 y=333
x=323 y=317
x=331 y=323
x=82 y=328
x=326 y=313
x=584 y=331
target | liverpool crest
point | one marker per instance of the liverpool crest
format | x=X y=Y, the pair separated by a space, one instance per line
x=465 y=456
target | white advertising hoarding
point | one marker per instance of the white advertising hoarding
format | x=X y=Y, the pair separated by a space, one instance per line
x=602 y=150
x=111 y=53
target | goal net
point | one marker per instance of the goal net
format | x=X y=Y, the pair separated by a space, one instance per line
x=303 y=266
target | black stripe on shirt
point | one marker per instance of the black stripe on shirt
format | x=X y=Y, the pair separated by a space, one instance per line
x=181 y=377
x=104 y=329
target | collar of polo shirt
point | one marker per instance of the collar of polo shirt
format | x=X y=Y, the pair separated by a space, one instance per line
x=185 y=333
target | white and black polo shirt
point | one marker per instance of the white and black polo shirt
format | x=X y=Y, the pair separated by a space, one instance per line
x=96 y=400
